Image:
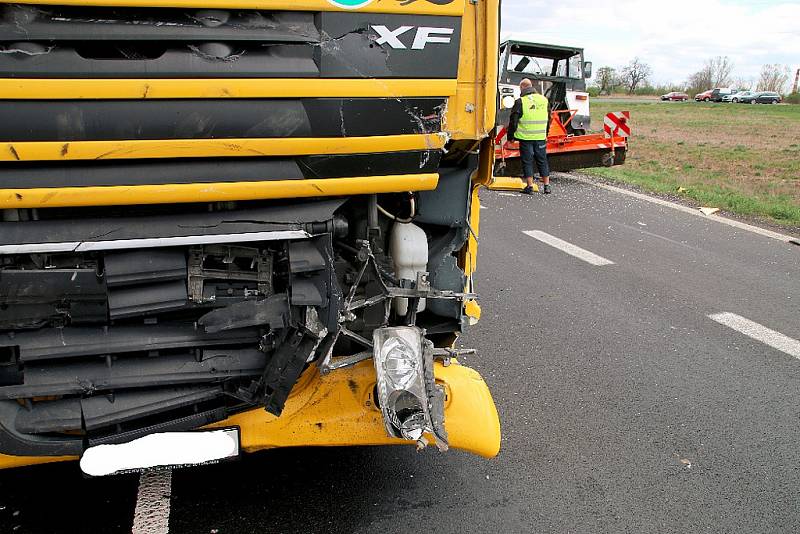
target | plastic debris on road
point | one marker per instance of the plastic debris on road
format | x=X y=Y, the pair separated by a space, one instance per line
x=709 y=211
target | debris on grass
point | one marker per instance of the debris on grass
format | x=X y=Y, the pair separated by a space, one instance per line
x=720 y=162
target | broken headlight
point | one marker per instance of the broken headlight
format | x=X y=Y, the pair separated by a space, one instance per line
x=411 y=402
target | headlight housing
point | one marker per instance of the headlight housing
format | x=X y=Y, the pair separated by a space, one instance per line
x=411 y=402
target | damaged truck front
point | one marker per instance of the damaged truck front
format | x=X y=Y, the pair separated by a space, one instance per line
x=258 y=216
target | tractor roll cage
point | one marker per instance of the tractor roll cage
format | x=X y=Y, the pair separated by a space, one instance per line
x=544 y=51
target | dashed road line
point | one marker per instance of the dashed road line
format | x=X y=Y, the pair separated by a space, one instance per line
x=153 y=502
x=686 y=209
x=774 y=339
x=569 y=248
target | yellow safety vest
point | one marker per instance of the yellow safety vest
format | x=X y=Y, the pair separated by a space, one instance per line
x=533 y=122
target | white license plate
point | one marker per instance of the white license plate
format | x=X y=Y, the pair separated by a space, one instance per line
x=165 y=449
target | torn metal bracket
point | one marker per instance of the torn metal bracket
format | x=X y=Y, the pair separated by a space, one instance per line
x=453 y=353
x=447 y=354
x=436 y=398
x=442 y=354
x=363 y=303
x=355 y=337
x=431 y=294
x=366 y=254
x=344 y=361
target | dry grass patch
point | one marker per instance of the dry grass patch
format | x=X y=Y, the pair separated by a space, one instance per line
x=744 y=158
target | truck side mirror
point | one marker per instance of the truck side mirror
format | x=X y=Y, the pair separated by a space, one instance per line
x=587 y=69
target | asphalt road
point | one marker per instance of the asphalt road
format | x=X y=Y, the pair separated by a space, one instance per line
x=624 y=407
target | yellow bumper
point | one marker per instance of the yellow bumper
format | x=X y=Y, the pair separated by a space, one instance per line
x=508 y=183
x=339 y=410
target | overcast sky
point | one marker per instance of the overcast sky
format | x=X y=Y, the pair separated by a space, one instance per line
x=674 y=36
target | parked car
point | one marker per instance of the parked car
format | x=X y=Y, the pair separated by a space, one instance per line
x=675 y=96
x=705 y=96
x=718 y=93
x=745 y=97
x=767 y=97
x=731 y=96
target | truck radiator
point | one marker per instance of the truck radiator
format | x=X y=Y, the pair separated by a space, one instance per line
x=115 y=328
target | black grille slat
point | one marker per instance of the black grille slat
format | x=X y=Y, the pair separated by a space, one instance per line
x=61 y=23
x=188 y=422
x=105 y=410
x=74 y=342
x=63 y=61
x=89 y=377
x=117 y=120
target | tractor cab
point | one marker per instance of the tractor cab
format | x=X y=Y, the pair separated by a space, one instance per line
x=557 y=72
x=560 y=74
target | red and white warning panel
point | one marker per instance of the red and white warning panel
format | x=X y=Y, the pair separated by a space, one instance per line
x=617 y=124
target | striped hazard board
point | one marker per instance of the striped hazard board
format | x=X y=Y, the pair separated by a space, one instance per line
x=617 y=124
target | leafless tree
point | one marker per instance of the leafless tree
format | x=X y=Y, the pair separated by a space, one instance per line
x=744 y=82
x=635 y=74
x=699 y=81
x=716 y=72
x=720 y=68
x=606 y=79
x=773 y=78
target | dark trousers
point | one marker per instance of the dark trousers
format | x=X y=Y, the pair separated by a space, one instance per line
x=531 y=151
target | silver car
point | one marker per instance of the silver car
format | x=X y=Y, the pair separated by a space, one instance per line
x=729 y=97
x=745 y=97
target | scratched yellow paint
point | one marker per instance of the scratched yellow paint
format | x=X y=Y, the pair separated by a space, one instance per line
x=51 y=197
x=167 y=88
x=471 y=112
x=208 y=148
x=338 y=409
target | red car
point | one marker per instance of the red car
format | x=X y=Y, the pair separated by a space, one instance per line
x=705 y=96
x=675 y=96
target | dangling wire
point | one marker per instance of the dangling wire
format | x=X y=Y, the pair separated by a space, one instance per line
x=412 y=207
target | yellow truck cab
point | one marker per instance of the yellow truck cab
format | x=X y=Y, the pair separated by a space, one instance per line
x=245 y=220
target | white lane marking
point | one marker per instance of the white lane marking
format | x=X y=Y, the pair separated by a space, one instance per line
x=507 y=194
x=686 y=209
x=774 y=339
x=569 y=248
x=152 y=504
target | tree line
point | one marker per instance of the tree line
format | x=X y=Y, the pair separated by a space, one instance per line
x=634 y=78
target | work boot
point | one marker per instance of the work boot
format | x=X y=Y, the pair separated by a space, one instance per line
x=528 y=190
x=547 y=190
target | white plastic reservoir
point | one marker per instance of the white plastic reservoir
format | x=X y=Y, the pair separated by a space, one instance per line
x=408 y=245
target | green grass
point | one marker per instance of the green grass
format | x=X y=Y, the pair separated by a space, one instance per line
x=740 y=158
x=780 y=208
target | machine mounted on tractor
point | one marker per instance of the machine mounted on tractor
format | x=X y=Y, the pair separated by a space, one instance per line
x=560 y=74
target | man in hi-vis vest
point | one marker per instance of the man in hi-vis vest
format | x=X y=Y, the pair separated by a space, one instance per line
x=530 y=118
